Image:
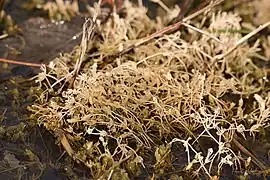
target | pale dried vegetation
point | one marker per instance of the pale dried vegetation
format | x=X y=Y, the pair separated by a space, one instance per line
x=61 y=10
x=167 y=91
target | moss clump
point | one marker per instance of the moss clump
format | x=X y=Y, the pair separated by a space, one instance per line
x=120 y=110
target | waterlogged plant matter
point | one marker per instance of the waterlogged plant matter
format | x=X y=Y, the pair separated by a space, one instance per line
x=123 y=110
x=58 y=10
x=9 y=26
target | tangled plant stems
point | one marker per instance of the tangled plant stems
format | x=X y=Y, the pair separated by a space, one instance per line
x=166 y=90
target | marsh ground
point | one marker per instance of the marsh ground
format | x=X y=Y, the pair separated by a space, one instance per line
x=29 y=151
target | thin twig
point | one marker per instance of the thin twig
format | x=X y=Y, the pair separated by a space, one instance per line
x=169 y=28
x=247 y=153
x=203 y=10
x=20 y=62
x=201 y=31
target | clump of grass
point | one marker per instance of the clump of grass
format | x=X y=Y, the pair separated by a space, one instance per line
x=121 y=110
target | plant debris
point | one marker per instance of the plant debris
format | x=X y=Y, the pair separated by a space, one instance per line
x=123 y=114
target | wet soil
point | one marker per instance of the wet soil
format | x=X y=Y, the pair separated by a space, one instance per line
x=26 y=150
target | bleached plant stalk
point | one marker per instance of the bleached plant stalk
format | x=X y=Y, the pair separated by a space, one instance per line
x=88 y=31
